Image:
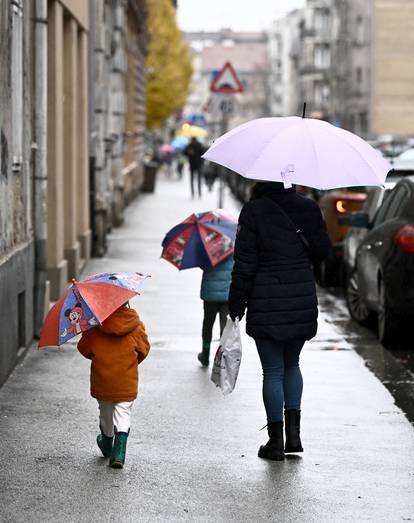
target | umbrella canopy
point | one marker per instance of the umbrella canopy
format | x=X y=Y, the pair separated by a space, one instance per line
x=192 y=131
x=202 y=240
x=166 y=149
x=87 y=303
x=302 y=151
x=180 y=143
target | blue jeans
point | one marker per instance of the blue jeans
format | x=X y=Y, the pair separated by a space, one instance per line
x=282 y=379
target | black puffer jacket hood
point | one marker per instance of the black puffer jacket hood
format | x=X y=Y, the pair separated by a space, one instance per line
x=272 y=274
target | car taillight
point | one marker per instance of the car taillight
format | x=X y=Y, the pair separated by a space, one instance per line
x=349 y=203
x=340 y=206
x=405 y=238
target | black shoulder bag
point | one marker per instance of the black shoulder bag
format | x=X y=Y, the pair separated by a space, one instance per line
x=298 y=231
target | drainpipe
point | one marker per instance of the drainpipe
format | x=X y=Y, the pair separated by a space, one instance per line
x=92 y=121
x=40 y=163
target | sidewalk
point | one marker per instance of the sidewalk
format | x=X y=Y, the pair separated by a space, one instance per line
x=192 y=454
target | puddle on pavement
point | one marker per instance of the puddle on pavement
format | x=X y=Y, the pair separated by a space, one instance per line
x=158 y=343
x=334 y=349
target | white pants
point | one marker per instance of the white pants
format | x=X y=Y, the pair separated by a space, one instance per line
x=114 y=414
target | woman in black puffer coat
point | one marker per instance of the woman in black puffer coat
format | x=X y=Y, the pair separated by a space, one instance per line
x=273 y=278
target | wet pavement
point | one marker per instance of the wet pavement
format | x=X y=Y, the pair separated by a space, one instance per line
x=395 y=369
x=192 y=454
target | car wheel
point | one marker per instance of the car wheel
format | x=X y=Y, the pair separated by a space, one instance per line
x=354 y=300
x=388 y=328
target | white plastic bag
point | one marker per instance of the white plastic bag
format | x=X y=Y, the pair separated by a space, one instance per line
x=228 y=357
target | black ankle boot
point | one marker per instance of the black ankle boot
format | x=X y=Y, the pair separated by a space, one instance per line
x=273 y=449
x=204 y=355
x=292 y=428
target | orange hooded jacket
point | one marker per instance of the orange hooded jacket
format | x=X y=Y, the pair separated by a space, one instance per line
x=116 y=348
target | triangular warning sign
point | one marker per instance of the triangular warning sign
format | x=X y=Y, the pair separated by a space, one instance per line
x=227 y=81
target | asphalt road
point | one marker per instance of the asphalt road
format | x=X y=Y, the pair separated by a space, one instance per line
x=192 y=454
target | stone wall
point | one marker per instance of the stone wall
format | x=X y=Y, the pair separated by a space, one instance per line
x=117 y=118
x=16 y=228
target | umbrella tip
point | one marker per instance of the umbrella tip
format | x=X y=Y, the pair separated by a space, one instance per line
x=74 y=281
x=304 y=110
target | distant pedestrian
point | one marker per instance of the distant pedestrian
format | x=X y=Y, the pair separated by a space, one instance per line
x=180 y=162
x=194 y=151
x=215 y=286
x=280 y=234
x=115 y=349
x=211 y=172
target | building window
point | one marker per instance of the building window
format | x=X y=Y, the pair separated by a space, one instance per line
x=360 y=30
x=17 y=84
x=322 y=93
x=363 y=122
x=322 y=20
x=322 y=56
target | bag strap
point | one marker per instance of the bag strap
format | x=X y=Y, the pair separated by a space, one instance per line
x=297 y=229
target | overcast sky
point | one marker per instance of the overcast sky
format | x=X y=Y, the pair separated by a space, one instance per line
x=195 y=15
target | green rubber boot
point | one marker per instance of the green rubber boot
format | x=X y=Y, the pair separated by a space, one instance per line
x=117 y=458
x=105 y=444
x=204 y=356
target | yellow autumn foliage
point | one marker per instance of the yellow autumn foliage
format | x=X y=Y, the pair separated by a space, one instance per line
x=168 y=64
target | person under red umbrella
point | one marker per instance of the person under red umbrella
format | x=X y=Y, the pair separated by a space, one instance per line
x=115 y=349
x=206 y=240
x=215 y=287
x=114 y=339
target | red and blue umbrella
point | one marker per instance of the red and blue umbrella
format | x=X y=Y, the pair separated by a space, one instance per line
x=87 y=303
x=202 y=240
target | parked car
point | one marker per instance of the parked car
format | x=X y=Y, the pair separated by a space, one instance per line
x=374 y=199
x=335 y=204
x=240 y=186
x=404 y=163
x=391 y=146
x=382 y=282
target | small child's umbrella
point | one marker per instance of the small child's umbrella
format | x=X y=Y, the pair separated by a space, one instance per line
x=87 y=303
x=202 y=240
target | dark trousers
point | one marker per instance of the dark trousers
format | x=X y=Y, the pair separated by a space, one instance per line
x=282 y=379
x=211 y=309
x=195 y=171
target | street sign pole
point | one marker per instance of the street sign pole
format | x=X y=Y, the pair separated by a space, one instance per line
x=223 y=129
x=223 y=88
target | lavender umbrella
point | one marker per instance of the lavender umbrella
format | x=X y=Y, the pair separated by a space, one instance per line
x=302 y=151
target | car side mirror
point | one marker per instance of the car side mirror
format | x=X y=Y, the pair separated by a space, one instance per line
x=355 y=219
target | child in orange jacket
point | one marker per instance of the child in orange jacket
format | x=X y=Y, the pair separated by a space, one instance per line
x=115 y=349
